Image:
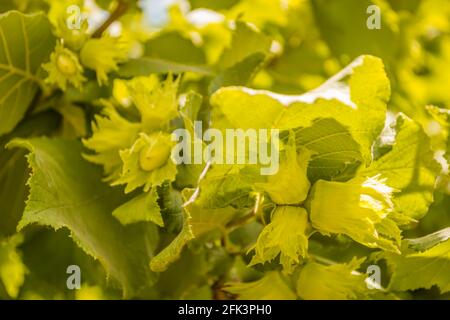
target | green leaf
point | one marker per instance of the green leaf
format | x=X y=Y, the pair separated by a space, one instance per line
x=421 y=270
x=143 y=207
x=348 y=178
x=171 y=201
x=334 y=282
x=409 y=5
x=356 y=98
x=226 y=185
x=213 y=5
x=49 y=280
x=66 y=191
x=409 y=168
x=7 y=5
x=334 y=149
x=337 y=18
x=246 y=41
x=285 y=235
x=271 y=286
x=261 y=12
x=190 y=109
x=26 y=42
x=173 y=251
x=12 y=269
x=74 y=121
x=204 y=220
x=168 y=46
x=245 y=236
x=13 y=177
x=14 y=171
x=188 y=174
x=197 y=222
x=91 y=91
x=244 y=56
x=184 y=275
x=428 y=241
x=239 y=74
x=145 y=66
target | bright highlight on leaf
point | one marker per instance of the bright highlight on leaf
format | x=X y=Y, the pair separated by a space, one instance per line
x=348 y=97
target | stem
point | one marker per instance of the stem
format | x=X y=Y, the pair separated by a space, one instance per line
x=322 y=260
x=197 y=190
x=122 y=7
x=218 y=293
x=241 y=220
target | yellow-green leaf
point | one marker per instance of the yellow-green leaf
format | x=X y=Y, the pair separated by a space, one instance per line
x=26 y=42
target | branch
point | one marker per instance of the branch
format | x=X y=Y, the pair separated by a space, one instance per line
x=122 y=7
x=241 y=220
x=197 y=190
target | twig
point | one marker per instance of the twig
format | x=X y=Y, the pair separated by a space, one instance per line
x=218 y=292
x=197 y=190
x=122 y=7
x=241 y=220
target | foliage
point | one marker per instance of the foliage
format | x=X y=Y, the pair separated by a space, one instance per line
x=87 y=173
